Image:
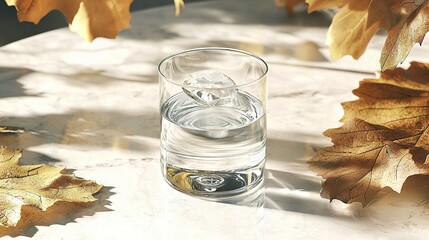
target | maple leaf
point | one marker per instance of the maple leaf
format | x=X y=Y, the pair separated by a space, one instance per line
x=366 y=158
x=90 y=19
x=385 y=138
x=38 y=186
x=411 y=29
x=399 y=99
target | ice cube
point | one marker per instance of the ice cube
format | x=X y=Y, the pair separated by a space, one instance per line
x=210 y=88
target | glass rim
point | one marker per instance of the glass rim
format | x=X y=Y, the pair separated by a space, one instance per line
x=251 y=82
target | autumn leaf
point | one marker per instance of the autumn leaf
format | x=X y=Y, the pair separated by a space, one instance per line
x=90 y=19
x=179 y=4
x=399 y=99
x=38 y=186
x=411 y=29
x=366 y=158
x=385 y=138
x=355 y=24
x=357 y=21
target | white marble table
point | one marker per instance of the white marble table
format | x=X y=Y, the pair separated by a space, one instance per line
x=94 y=108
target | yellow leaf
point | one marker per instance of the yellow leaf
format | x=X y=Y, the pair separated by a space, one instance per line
x=385 y=138
x=38 y=186
x=179 y=4
x=411 y=29
x=90 y=19
x=407 y=22
x=355 y=24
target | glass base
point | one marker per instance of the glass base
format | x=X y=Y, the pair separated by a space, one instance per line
x=213 y=184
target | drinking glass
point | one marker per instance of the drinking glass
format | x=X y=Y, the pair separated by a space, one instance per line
x=213 y=121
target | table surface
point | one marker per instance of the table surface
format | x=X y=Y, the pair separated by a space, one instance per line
x=93 y=108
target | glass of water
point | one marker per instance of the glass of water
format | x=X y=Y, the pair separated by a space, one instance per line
x=213 y=121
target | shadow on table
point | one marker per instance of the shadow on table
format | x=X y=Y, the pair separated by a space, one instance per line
x=100 y=77
x=229 y=19
x=289 y=190
x=230 y=14
x=293 y=187
x=9 y=87
x=60 y=213
x=307 y=51
x=225 y=21
x=101 y=128
x=96 y=128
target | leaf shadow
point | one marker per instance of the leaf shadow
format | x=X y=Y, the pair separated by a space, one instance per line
x=9 y=86
x=227 y=19
x=98 y=128
x=307 y=51
x=33 y=158
x=85 y=77
x=407 y=209
x=291 y=186
x=60 y=213
x=231 y=14
x=288 y=191
x=83 y=127
x=294 y=188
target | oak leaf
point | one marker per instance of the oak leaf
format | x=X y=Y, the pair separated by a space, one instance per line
x=38 y=186
x=90 y=19
x=385 y=138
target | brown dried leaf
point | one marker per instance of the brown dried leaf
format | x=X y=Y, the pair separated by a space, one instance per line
x=355 y=24
x=38 y=186
x=399 y=99
x=411 y=29
x=90 y=19
x=357 y=21
x=385 y=138
x=365 y=159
